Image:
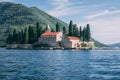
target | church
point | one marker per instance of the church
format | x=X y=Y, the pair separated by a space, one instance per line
x=58 y=39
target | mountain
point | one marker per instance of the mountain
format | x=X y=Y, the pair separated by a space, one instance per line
x=115 y=45
x=98 y=44
x=14 y=15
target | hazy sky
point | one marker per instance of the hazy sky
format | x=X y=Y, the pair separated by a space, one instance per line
x=102 y=15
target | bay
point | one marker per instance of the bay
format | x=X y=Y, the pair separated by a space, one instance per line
x=59 y=64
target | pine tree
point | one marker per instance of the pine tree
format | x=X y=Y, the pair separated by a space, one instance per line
x=71 y=28
x=57 y=27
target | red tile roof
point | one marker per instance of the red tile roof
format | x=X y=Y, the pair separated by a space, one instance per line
x=50 y=33
x=73 y=38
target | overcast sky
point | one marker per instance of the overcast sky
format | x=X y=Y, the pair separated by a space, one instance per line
x=102 y=15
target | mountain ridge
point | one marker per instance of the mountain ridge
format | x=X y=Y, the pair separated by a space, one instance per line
x=27 y=15
x=115 y=45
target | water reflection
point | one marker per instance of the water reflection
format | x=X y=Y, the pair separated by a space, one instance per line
x=59 y=65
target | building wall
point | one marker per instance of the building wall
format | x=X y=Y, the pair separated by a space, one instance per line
x=67 y=43
x=59 y=40
x=52 y=40
x=59 y=37
x=75 y=43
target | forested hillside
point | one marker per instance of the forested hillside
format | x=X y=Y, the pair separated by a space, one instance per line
x=14 y=15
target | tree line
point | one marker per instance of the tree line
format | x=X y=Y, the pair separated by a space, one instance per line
x=30 y=34
x=84 y=34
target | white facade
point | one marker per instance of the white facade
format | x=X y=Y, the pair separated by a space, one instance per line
x=71 y=42
x=75 y=43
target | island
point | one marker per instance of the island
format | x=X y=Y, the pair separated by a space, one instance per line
x=57 y=40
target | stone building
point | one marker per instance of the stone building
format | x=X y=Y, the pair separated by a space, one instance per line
x=70 y=42
x=53 y=39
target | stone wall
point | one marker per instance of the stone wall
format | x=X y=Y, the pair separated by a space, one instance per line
x=19 y=46
x=52 y=40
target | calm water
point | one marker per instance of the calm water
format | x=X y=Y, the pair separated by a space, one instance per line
x=59 y=65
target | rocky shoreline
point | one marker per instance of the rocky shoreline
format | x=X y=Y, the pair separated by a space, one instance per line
x=30 y=47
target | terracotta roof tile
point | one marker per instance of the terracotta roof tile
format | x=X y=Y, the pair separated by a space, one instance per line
x=73 y=38
x=50 y=33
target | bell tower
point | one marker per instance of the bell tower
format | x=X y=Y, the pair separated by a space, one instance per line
x=48 y=29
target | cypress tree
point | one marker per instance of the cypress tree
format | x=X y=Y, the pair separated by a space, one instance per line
x=26 y=36
x=75 y=30
x=52 y=30
x=80 y=33
x=22 y=37
x=38 y=29
x=88 y=33
x=15 y=36
x=19 y=36
x=32 y=34
x=9 y=39
x=71 y=28
x=57 y=27
x=64 y=31
x=84 y=34
x=39 y=32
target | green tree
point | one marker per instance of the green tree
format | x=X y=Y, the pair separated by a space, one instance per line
x=75 y=30
x=84 y=34
x=88 y=33
x=39 y=32
x=15 y=36
x=32 y=34
x=57 y=27
x=64 y=30
x=52 y=30
x=22 y=36
x=25 y=36
x=38 y=29
x=71 y=28
x=80 y=32
x=9 y=39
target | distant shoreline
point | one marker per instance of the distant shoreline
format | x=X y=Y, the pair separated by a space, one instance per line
x=59 y=48
x=30 y=47
x=46 y=48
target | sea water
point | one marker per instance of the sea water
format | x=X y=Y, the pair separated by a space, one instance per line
x=59 y=64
